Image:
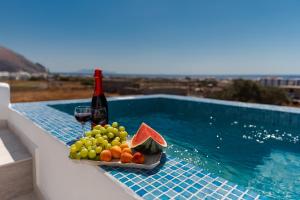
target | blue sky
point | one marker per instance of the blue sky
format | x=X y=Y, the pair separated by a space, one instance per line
x=156 y=36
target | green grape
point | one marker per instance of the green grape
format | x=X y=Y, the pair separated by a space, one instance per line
x=106 y=125
x=84 y=153
x=100 y=140
x=105 y=137
x=123 y=134
x=110 y=135
x=88 y=143
x=85 y=140
x=88 y=133
x=108 y=146
x=114 y=143
x=110 y=129
x=72 y=155
x=103 y=130
x=117 y=139
x=73 y=148
x=98 y=135
x=92 y=154
x=122 y=128
x=78 y=156
x=115 y=124
x=95 y=132
x=89 y=148
x=124 y=142
x=94 y=141
x=105 y=142
x=98 y=127
x=78 y=144
x=94 y=147
x=115 y=130
x=98 y=149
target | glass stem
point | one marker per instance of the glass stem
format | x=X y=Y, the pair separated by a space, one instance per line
x=82 y=125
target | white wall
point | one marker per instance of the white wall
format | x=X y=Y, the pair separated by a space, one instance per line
x=56 y=176
x=4 y=100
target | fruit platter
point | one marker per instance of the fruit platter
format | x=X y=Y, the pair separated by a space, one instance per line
x=109 y=145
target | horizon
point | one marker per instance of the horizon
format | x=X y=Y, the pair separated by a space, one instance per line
x=165 y=74
x=170 y=37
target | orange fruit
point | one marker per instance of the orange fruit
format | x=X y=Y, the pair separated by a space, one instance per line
x=124 y=146
x=126 y=157
x=116 y=151
x=105 y=156
x=138 y=158
x=128 y=150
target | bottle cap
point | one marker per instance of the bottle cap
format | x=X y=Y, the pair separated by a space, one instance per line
x=98 y=72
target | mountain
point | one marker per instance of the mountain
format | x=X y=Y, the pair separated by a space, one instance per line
x=11 y=61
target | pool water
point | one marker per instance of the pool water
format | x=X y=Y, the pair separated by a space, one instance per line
x=255 y=148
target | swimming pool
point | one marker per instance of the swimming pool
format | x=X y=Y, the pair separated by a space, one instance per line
x=251 y=146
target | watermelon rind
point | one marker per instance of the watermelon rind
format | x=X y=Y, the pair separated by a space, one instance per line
x=149 y=145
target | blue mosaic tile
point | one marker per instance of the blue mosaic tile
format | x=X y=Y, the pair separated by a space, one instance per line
x=149 y=188
x=129 y=183
x=178 y=189
x=169 y=177
x=186 y=194
x=164 y=197
x=141 y=192
x=135 y=187
x=237 y=192
x=180 y=197
x=149 y=196
x=163 y=188
x=217 y=196
x=217 y=183
x=200 y=195
x=183 y=185
x=189 y=181
x=248 y=197
x=156 y=192
x=171 y=193
x=192 y=189
x=232 y=196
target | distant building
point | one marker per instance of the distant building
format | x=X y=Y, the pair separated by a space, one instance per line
x=4 y=75
x=291 y=86
x=278 y=81
x=21 y=75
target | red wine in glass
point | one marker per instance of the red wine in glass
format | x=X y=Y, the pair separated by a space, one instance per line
x=82 y=114
x=83 y=117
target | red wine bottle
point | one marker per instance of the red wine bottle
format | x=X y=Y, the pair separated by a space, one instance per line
x=99 y=103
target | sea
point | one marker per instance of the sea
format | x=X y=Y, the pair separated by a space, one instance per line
x=193 y=76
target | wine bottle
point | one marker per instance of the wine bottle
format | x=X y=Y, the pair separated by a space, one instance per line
x=99 y=103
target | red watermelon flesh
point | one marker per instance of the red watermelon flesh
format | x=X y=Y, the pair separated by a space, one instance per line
x=147 y=140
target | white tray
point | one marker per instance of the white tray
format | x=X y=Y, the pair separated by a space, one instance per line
x=151 y=161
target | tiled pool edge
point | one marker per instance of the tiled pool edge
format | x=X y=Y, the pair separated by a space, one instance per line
x=60 y=124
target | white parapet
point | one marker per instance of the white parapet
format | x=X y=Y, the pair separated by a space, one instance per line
x=4 y=100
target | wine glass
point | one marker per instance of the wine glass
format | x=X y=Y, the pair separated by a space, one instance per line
x=82 y=115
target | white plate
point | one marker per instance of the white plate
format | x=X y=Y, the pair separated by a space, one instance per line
x=151 y=161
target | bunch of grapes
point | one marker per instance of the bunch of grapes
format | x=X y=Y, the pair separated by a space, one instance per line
x=99 y=139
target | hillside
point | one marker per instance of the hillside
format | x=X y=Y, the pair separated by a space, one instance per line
x=11 y=61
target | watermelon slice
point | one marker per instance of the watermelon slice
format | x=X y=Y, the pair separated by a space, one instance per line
x=147 y=140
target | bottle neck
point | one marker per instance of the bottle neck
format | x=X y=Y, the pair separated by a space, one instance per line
x=98 y=86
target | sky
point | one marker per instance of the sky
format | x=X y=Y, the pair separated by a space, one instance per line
x=156 y=36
